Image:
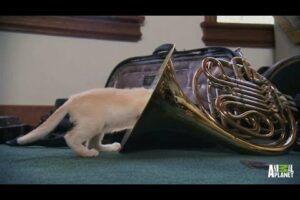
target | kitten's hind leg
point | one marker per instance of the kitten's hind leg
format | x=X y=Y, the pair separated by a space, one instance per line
x=74 y=140
x=95 y=142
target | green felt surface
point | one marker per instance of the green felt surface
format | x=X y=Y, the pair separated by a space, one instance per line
x=40 y=165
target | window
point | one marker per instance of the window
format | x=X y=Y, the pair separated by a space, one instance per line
x=246 y=19
x=242 y=31
x=99 y=27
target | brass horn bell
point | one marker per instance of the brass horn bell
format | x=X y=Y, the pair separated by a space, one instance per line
x=242 y=111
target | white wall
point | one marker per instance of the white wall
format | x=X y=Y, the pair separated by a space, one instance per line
x=36 y=69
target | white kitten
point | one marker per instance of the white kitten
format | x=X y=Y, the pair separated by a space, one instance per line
x=95 y=113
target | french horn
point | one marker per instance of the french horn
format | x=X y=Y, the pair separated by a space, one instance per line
x=236 y=107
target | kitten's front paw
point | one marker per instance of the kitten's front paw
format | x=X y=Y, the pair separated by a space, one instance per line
x=110 y=147
x=116 y=146
x=93 y=153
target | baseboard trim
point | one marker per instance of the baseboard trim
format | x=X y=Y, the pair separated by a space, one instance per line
x=28 y=114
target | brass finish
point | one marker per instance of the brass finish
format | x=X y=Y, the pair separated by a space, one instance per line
x=241 y=110
x=246 y=106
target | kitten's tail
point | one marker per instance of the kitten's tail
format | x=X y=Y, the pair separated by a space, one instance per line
x=46 y=127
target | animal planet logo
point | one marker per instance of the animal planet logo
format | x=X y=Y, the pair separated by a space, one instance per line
x=281 y=171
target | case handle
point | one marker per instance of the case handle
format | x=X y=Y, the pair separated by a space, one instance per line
x=162 y=49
